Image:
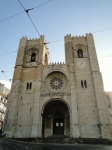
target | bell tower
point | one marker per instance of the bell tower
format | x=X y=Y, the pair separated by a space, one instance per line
x=32 y=55
x=33 y=50
x=80 y=54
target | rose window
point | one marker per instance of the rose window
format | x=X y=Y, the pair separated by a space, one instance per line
x=56 y=83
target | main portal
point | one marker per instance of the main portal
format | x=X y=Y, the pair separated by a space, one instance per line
x=56 y=120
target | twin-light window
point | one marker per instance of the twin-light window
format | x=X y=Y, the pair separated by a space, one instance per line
x=33 y=57
x=83 y=84
x=80 y=53
x=29 y=85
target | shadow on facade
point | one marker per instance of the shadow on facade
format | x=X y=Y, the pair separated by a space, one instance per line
x=56 y=119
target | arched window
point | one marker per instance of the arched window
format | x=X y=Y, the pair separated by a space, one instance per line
x=33 y=57
x=80 y=53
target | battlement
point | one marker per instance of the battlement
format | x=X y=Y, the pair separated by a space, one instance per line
x=56 y=63
x=34 y=41
x=69 y=38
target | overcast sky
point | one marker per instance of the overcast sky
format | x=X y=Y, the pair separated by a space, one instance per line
x=55 y=19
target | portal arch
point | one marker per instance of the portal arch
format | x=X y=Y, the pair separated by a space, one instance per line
x=55 y=118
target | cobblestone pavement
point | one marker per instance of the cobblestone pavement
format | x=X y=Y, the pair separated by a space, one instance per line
x=15 y=145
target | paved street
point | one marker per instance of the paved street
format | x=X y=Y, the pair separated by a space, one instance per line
x=15 y=145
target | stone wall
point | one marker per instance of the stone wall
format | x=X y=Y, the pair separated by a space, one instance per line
x=77 y=83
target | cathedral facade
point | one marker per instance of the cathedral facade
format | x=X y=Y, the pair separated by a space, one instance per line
x=58 y=98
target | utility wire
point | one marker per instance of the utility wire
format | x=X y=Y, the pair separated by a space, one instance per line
x=22 y=5
x=42 y=4
x=5 y=75
x=49 y=56
x=24 y=11
x=11 y=16
x=102 y=30
x=33 y=25
x=105 y=56
x=55 y=41
x=8 y=53
x=27 y=10
x=85 y=34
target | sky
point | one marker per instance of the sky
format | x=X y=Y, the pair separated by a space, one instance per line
x=55 y=19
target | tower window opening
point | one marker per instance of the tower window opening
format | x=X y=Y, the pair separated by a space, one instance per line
x=33 y=57
x=29 y=85
x=80 y=53
x=30 y=110
x=83 y=83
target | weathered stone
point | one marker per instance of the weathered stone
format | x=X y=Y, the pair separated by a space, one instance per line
x=59 y=98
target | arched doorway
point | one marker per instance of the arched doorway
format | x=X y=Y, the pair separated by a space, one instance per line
x=56 y=120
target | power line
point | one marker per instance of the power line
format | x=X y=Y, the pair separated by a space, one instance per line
x=105 y=56
x=8 y=71
x=12 y=16
x=27 y=10
x=48 y=53
x=102 y=30
x=33 y=25
x=24 y=11
x=8 y=53
x=22 y=5
x=3 y=72
x=55 y=41
x=85 y=34
x=42 y=4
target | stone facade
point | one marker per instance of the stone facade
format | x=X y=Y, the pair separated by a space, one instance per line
x=59 y=98
x=109 y=102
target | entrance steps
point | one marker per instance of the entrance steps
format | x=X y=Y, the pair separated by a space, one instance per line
x=61 y=139
x=54 y=139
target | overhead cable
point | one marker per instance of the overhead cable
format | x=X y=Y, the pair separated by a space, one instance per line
x=85 y=34
x=11 y=16
x=3 y=72
x=8 y=53
x=42 y=4
x=24 y=11
x=27 y=10
x=102 y=30
x=105 y=56
x=48 y=53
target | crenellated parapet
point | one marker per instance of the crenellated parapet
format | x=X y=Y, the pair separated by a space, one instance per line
x=33 y=41
x=67 y=38
x=77 y=39
x=56 y=63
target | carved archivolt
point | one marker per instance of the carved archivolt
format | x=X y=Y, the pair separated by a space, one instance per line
x=33 y=50
x=79 y=46
x=29 y=53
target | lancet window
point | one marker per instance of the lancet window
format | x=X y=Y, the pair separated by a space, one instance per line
x=33 y=57
x=80 y=53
